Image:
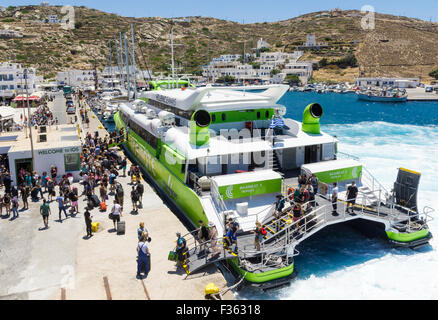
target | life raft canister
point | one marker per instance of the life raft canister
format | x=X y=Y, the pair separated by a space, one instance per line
x=290 y=193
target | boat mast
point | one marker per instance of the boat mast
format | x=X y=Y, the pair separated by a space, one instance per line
x=133 y=62
x=121 y=62
x=127 y=66
x=171 y=49
x=118 y=59
x=110 y=60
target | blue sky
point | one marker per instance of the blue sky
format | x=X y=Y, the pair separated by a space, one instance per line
x=244 y=10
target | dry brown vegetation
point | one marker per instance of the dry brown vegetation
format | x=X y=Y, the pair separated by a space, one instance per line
x=398 y=46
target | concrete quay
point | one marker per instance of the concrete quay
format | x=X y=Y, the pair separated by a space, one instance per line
x=61 y=263
x=419 y=94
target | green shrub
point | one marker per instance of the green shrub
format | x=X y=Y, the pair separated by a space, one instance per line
x=434 y=74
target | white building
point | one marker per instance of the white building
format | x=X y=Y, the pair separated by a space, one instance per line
x=387 y=82
x=53 y=145
x=304 y=70
x=311 y=42
x=227 y=65
x=75 y=78
x=53 y=18
x=261 y=44
x=6 y=33
x=278 y=58
x=12 y=80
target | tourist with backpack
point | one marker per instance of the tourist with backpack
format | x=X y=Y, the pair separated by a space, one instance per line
x=134 y=199
x=140 y=191
x=119 y=194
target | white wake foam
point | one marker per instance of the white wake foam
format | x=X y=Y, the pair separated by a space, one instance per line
x=396 y=273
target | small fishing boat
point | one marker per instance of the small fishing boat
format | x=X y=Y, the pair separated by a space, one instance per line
x=384 y=95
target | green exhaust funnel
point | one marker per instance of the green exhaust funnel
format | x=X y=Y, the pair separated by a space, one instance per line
x=311 y=116
x=199 y=128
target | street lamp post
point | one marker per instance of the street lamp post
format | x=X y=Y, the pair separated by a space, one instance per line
x=29 y=124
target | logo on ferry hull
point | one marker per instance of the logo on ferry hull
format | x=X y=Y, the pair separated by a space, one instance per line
x=229 y=192
x=354 y=172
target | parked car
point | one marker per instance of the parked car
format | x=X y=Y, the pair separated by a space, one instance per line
x=429 y=89
x=71 y=109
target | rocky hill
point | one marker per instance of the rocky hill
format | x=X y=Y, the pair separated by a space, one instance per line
x=398 y=46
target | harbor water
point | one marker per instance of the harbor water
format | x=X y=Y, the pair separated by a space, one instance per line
x=339 y=262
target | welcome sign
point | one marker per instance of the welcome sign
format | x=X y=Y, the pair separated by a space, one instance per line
x=250 y=189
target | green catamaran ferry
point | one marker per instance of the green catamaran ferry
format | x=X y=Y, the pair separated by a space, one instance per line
x=218 y=153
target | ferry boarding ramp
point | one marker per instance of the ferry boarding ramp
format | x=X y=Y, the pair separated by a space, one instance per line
x=283 y=234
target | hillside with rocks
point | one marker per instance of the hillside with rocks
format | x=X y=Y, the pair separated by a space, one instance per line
x=398 y=46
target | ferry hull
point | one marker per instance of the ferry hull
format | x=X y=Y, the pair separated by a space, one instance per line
x=187 y=201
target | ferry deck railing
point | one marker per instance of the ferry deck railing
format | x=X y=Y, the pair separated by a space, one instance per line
x=314 y=220
x=368 y=175
x=318 y=218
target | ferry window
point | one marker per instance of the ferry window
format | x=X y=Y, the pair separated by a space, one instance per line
x=267 y=114
x=258 y=114
x=213 y=118
x=224 y=116
x=72 y=162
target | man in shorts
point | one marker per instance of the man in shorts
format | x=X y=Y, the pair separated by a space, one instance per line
x=116 y=212
x=352 y=192
x=45 y=212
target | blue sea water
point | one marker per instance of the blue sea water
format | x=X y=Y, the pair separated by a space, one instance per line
x=339 y=262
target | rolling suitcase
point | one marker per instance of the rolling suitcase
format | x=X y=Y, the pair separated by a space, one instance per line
x=102 y=206
x=121 y=227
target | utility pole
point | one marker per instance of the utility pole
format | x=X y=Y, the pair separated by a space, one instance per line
x=28 y=119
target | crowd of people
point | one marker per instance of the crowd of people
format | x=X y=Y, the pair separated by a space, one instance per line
x=42 y=116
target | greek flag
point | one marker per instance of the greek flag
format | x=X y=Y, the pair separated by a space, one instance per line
x=276 y=122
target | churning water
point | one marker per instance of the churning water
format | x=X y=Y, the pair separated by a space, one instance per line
x=341 y=263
